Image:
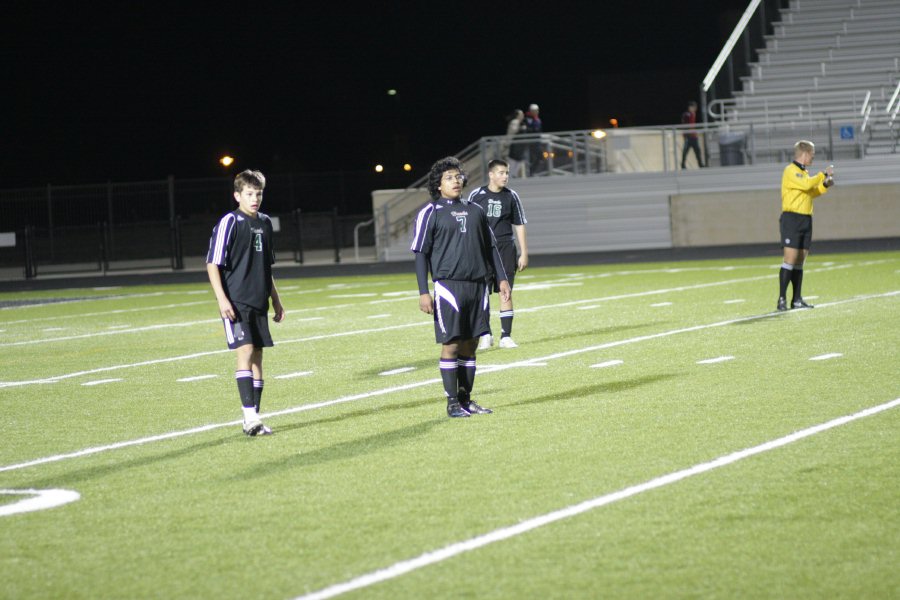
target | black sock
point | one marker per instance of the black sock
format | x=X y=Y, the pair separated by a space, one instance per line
x=245 y=388
x=465 y=373
x=797 y=282
x=449 y=376
x=257 y=392
x=784 y=277
x=506 y=318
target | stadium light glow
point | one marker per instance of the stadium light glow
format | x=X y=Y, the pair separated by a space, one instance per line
x=379 y=168
x=598 y=134
x=407 y=167
x=226 y=161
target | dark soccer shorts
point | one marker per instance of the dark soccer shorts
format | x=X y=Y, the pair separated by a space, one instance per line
x=510 y=259
x=796 y=230
x=461 y=310
x=251 y=326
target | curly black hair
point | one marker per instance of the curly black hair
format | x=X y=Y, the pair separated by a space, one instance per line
x=437 y=171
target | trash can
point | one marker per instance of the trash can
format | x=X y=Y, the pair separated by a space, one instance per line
x=731 y=148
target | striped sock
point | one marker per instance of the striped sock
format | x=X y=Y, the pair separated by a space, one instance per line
x=245 y=388
x=465 y=373
x=449 y=377
x=257 y=392
x=506 y=319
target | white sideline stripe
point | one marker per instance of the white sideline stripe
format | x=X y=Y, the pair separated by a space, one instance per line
x=42 y=499
x=827 y=356
x=115 y=332
x=718 y=359
x=195 y=378
x=484 y=369
x=398 y=371
x=658 y=304
x=292 y=375
x=108 y=312
x=101 y=381
x=609 y=363
x=157 y=361
x=735 y=301
x=590 y=307
x=498 y=535
x=381 y=316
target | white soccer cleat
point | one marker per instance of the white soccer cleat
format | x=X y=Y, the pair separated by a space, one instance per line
x=485 y=341
x=507 y=342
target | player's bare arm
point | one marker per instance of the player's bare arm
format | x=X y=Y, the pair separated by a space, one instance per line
x=276 y=304
x=505 y=291
x=523 y=247
x=226 y=310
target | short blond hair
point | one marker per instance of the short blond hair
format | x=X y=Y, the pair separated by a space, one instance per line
x=804 y=146
x=249 y=178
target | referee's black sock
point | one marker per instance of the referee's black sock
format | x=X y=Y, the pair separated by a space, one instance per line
x=784 y=277
x=465 y=373
x=506 y=319
x=797 y=282
x=449 y=377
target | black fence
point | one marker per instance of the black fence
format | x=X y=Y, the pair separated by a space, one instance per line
x=157 y=224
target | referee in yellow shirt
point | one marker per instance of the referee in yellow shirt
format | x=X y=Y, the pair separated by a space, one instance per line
x=798 y=188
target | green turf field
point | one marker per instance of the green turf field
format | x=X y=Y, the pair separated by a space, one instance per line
x=625 y=374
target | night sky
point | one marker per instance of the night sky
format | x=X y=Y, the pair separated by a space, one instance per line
x=137 y=91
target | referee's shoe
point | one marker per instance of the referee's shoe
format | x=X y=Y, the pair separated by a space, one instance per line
x=782 y=304
x=800 y=303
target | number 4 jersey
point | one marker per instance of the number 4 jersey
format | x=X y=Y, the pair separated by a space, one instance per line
x=455 y=238
x=242 y=247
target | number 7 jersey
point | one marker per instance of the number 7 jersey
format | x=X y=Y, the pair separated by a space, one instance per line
x=455 y=238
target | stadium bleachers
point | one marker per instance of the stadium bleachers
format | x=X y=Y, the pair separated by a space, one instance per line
x=826 y=59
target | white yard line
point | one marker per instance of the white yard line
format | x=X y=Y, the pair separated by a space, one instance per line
x=113 y=332
x=712 y=361
x=504 y=533
x=609 y=363
x=827 y=356
x=375 y=393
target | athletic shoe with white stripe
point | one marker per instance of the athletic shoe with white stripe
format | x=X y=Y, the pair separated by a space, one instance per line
x=485 y=341
x=254 y=428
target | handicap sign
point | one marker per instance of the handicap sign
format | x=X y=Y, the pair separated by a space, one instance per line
x=847 y=132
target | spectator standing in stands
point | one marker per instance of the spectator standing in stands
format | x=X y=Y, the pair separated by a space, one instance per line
x=798 y=189
x=691 y=140
x=512 y=151
x=506 y=218
x=534 y=125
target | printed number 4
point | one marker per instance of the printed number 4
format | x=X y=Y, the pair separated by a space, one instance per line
x=462 y=223
x=257 y=242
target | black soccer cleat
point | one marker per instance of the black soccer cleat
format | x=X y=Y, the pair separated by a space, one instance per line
x=455 y=410
x=473 y=408
x=782 y=304
x=800 y=303
x=256 y=428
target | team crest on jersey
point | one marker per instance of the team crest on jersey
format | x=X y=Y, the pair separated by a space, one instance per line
x=459 y=213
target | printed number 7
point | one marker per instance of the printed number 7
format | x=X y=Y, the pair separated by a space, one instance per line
x=462 y=223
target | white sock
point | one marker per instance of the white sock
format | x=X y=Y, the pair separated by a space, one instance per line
x=250 y=414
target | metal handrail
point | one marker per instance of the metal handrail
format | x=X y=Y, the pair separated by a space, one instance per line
x=356 y=236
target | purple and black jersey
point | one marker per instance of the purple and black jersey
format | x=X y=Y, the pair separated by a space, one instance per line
x=242 y=248
x=503 y=210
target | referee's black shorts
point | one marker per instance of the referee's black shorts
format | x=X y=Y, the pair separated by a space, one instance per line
x=510 y=259
x=796 y=230
x=461 y=310
x=250 y=326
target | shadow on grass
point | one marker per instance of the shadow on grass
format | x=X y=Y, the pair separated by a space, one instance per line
x=597 y=331
x=754 y=319
x=586 y=391
x=85 y=474
x=363 y=446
